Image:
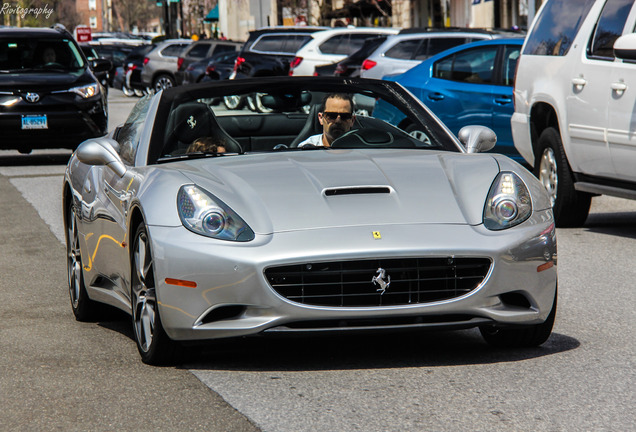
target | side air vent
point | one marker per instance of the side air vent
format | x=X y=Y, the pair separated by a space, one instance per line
x=357 y=190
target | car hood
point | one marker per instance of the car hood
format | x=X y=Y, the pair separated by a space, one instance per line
x=42 y=81
x=317 y=188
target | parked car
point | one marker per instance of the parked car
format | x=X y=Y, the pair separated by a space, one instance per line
x=410 y=47
x=216 y=68
x=116 y=52
x=91 y=55
x=203 y=50
x=575 y=96
x=270 y=50
x=470 y=85
x=351 y=66
x=379 y=232
x=331 y=46
x=160 y=64
x=49 y=94
x=133 y=65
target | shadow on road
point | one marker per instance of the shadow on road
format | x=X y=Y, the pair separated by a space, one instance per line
x=34 y=159
x=364 y=352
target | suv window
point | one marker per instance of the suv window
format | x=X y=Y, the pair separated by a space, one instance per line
x=433 y=46
x=557 y=26
x=219 y=48
x=173 y=50
x=609 y=27
x=280 y=43
x=473 y=66
x=199 y=50
x=404 y=50
x=345 y=44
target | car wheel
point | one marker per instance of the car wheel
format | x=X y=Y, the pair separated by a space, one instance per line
x=83 y=307
x=153 y=343
x=234 y=102
x=529 y=336
x=139 y=93
x=163 y=82
x=416 y=133
x=127 y=91
x=553 y=171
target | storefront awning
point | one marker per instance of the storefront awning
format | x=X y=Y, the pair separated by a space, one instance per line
x=213 y=15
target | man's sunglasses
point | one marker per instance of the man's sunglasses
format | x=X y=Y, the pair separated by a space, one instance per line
x=332 y=116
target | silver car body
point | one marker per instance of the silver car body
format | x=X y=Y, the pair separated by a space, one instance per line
x=160 y=70
x=370 y=217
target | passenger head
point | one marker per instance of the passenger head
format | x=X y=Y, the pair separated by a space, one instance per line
x=207 y=145
x=48 y=55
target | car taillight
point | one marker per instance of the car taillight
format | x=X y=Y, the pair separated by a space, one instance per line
x=146 y=60
x=179 y=62
x=340 y=69
x=368 y=64
x=237 y=64
x=294 y=63
x=209 y=69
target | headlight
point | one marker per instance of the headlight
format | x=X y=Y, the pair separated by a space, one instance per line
x=204 y=214
x=508 y=202
x=86 y=91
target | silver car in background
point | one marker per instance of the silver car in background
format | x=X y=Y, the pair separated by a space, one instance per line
x=160 y=65
x=383 y=230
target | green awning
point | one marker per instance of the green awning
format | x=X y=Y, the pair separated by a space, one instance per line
x=213 y=15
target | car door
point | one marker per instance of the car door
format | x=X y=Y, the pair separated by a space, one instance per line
x=460 y=91
x=502 y=98
x=621 y=128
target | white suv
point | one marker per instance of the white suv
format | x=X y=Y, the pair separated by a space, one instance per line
x=575 y=103
x=331 y=46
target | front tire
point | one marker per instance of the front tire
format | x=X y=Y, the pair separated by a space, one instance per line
x=521 y=337
x=163 y=82
x=84 y=308
x=154 y=345
x=553 y=171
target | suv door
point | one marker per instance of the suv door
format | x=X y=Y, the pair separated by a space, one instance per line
x=621 y=104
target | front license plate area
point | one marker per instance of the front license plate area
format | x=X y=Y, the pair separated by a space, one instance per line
x=34 y=122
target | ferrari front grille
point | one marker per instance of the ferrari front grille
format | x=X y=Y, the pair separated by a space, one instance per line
x=378 y=282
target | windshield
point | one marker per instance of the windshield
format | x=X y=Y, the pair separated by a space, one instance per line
x=39 y=54
x=297 y=115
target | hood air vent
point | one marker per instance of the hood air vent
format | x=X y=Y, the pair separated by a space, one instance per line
x=357 y=190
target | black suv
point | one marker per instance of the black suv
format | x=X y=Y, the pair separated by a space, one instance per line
x=49 y=95
x=269 y=51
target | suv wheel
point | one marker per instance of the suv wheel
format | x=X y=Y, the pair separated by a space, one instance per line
x=553 y=171
x=163 y=82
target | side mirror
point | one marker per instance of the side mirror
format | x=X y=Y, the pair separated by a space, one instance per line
x=101 y=151
x=625 y=47
x=477 y=139
x=101 y=65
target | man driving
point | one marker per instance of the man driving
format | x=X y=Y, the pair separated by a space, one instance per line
x=336 y=117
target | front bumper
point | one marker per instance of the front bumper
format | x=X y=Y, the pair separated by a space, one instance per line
x=233 y=298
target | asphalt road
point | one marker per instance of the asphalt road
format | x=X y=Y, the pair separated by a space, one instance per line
x=63 y=375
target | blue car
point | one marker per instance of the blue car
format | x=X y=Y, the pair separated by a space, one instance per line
x=470 y=84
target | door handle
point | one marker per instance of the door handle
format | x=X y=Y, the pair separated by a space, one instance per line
x=502 y=100
x=619 y=87
x=579 y=82
x=436 y=96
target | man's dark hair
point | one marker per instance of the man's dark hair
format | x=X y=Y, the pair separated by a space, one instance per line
x=343 y=96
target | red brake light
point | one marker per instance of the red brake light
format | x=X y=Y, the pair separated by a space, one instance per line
x=368 y=64
x=179 y=62
x=340 y=69
x=146 y=60
x=237 y=64
x=209 y=69
x=294 y=63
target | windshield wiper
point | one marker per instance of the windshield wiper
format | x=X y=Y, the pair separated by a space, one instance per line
x=188 y=156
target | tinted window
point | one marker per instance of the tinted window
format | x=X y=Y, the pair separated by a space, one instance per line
x=173 y=50
x=557 y=26
x=609 y=28
x=436 y=45
x=510 y=58
x=473 y=66
x=293 y=44
x=356 y=41
x=128 y=135
x=331 y=45
x=219 y=48
x=288 y=44
x=404 y=50
x=39 y=53
x=199 y=51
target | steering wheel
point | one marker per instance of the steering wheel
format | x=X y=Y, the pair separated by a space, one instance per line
x=371 y=138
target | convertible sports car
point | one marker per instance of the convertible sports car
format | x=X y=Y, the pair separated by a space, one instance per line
x=384 y=230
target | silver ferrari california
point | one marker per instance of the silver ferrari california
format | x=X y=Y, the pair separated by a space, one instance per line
x=256 y=207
